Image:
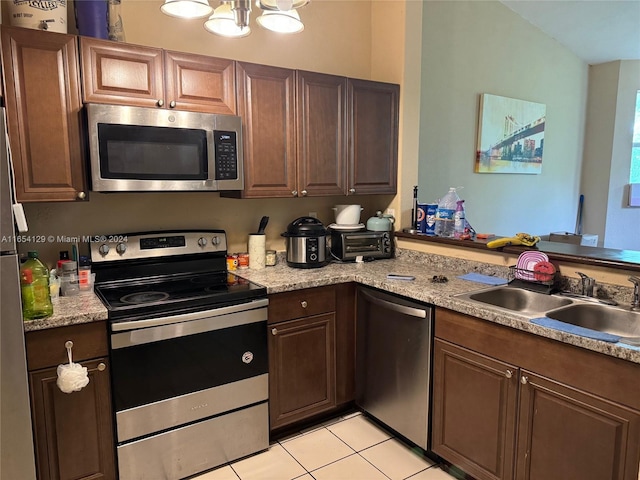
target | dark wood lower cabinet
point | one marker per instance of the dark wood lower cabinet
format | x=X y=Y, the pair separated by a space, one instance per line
x=566 y=433
x=302 y=368
x=474 y=415
x=73 y=431
x=511 y=405
x=311 y=354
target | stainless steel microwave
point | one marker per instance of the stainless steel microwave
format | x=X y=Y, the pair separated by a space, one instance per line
x=136 y=149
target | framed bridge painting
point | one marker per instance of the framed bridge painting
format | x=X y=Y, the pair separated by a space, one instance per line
x=510 y=135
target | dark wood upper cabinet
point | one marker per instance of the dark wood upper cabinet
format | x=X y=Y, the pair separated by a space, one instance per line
x=312 y=134
x=200 y=83
x=266 y=103
x=126 y=74
x=322 y=134
x=43 y=106
x=373 y=136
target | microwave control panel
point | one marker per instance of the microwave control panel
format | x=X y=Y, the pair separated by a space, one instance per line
x=226 y=155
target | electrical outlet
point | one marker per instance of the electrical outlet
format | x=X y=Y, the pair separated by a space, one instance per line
x=391 y=211
x=313 y=214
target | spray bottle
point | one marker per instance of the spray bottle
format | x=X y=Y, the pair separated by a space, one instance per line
x=459 y=219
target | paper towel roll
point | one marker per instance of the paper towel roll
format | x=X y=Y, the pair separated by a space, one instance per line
x=257 y=251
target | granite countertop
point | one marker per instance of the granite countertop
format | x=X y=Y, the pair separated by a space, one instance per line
x=83 y=308
x=281 y=278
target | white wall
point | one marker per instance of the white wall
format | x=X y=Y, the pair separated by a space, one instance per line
x=470 y=48
x=623 y=223
x=607 y=154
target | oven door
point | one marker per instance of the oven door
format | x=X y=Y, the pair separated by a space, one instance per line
x=171 y=371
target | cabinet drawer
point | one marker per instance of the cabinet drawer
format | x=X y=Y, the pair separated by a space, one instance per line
x=45 y=348
x=301 y=303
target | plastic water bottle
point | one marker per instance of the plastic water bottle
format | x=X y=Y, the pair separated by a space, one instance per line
x=444 y=215
x=34 y=283
x=459 y=220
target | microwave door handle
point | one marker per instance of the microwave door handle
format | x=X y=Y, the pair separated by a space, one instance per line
x=413 y=312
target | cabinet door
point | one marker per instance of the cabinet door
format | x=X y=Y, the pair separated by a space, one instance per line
x=73 y=431
x=474 y=411
x=199 y=83
x=302 y=368
x=373 y=135
x=121 y=73
x=567 y=433
x=43 y=113
x=266 y=103
x=322 y=134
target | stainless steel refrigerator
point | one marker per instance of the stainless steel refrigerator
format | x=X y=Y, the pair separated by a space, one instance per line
x=17 y=459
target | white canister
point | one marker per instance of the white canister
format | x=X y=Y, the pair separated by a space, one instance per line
x=50 y=15
x=257 y=251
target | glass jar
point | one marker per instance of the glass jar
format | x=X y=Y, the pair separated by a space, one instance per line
x=270 y=258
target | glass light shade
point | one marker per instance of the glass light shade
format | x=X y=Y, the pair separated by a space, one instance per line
x=280 y=4
x=186 y=8
x=223 y=23
x=281 y=22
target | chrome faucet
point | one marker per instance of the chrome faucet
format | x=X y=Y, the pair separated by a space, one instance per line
x=587 y=284
x=635 y=301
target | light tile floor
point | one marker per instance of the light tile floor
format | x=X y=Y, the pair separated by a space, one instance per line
x=350 y=447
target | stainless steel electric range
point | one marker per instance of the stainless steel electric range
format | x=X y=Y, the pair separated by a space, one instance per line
x=188 y=351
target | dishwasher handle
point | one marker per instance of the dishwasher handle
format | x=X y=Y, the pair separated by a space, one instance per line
x=413 y=312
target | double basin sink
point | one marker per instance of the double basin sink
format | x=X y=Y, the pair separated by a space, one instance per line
x=582 y=313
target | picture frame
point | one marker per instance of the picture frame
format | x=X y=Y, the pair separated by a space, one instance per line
x=510 y=135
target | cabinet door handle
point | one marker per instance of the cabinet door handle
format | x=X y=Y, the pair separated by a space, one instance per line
x=81 y=195
x=352 y=190
x=304 y=304
x=160 y=103
x=304 y=193
x=172 y=104
x=508 y=374
x=101 y=367
x=294 y=193
x=524 y=380
x=274 y=331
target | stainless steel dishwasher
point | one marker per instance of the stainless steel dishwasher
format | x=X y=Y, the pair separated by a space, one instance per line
x=393 y=362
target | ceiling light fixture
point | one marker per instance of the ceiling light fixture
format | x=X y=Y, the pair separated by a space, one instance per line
x=231 y=17
x=186 y=8
x=287 y=21
x=223 y=23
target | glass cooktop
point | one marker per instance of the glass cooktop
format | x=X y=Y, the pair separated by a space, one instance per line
x=175 y=294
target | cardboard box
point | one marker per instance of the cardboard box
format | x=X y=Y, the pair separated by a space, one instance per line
x=585 y=239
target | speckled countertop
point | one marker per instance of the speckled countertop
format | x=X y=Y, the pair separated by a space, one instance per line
x=81 y=308
x=281 y=278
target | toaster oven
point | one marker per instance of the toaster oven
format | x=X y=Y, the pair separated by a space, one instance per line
x=347 y=246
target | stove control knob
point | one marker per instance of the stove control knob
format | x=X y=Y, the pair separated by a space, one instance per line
x=103 y=249
x=202 y=242
x=121 y=248
x=215 y=240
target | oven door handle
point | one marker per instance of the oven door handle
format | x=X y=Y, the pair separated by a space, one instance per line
x=157 y=329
